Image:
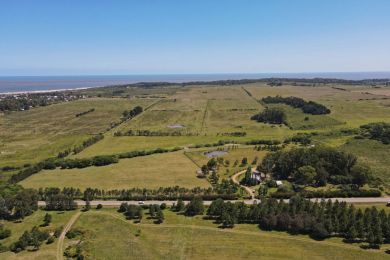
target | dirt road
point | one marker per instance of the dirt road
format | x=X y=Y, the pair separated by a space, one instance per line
x=60 y=242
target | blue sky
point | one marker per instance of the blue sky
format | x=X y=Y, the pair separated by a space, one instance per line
x=165 y=37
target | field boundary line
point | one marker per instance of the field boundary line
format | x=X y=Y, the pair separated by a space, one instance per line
x=191 y=159
x=249 y=94
x=204 y=116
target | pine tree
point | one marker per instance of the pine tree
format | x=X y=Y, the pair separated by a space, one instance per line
x=180 y=205
x=160 y=217
x=329 y=225
x=248 y=176
x=47 y=219
x=360 y=228
x=371 y=238
x=227 y=219
x=87 y=205
x=152 y=211
x=352 y=233
x=378 y=236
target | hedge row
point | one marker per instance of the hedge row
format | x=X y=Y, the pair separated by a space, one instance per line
x=328 y=194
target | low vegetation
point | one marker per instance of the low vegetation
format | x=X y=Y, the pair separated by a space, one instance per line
x=377 y=131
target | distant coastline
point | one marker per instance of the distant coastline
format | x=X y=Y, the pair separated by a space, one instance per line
x=39 y=84
x=44 y=91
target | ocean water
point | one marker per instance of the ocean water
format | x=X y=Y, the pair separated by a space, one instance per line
x=41 y=83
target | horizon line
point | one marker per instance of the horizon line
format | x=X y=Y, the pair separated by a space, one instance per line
x=206 y=73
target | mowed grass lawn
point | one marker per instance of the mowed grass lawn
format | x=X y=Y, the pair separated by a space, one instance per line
x=110 y=236
x=154 y=171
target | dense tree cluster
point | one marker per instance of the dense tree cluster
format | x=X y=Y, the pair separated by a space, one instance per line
x=85 y=112
x=316 y=166
x=156 y=213
x=55 y=199
x=195 y=207
x=306 y=107
x=33 y=238
x=129 y=114
x=19 y=205
x=4 y=232
x=377 y=131
x=271 y=116
x=318 y=219
x=249 y=178
x=131 y=211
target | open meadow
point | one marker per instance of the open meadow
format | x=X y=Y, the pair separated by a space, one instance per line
x=183 y=117
x=33 y=135
x=194 y=238
x=201 y=122
x=152 y=172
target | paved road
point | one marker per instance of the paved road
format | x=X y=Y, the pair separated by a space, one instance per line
x=116 y=203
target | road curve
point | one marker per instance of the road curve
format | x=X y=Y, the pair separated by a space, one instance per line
x=247 y=189
x=60 y=242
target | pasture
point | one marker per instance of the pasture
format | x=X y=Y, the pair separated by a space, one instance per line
x=194 y=238
x=39 y=133
x=154 y=171
x=208 y=113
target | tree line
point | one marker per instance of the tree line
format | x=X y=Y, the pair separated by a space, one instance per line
x=307 y=107
x=85 y=144
x=154 y=133
x=85 y=112
x=320 y=220
x=18 y=204
x=225 y=189
x=129 y=114
x=100 y=160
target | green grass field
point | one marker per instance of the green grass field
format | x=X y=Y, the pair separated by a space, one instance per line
x=181 y=237
x=30 y=136
x=374 y=154
x=209 y=113
x=154 y=171
x=17 y=228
